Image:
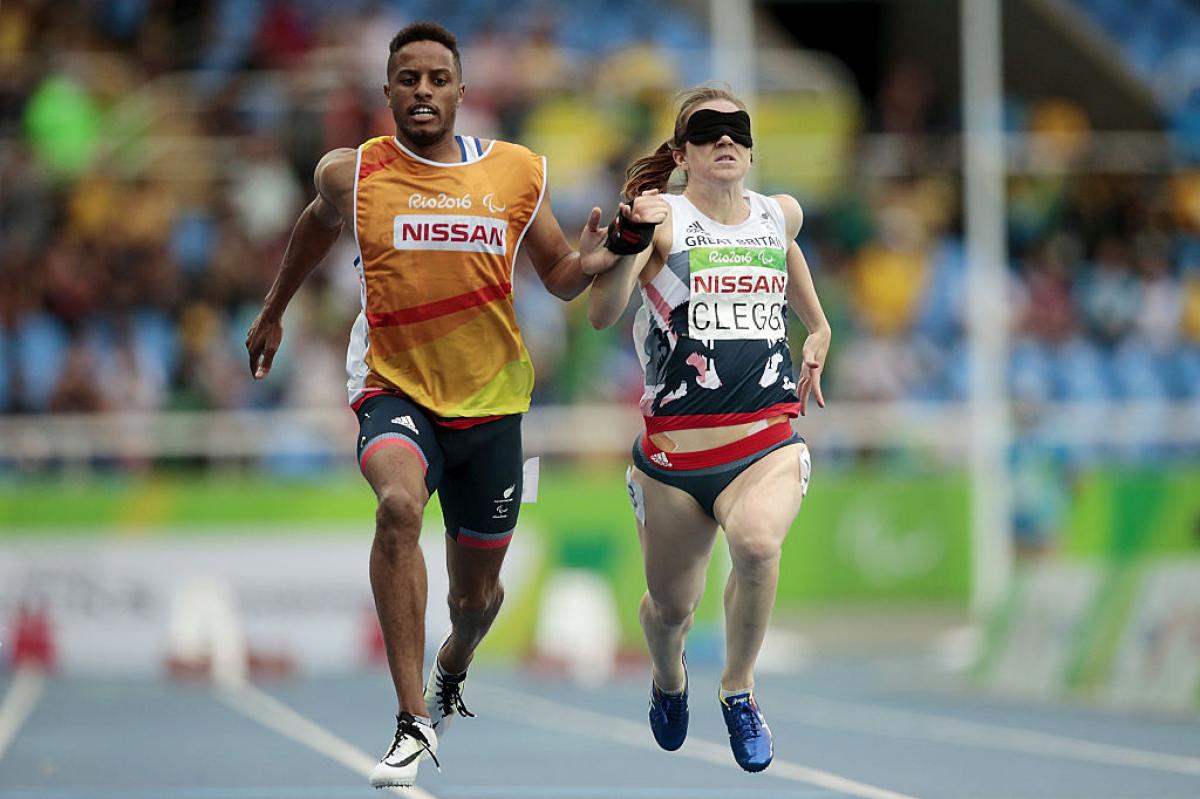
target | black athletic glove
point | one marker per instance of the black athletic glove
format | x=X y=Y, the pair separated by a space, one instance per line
x=626 y=237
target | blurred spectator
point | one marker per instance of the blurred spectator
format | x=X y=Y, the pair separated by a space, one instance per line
x=889 y=275
x=283 y=36
x=1041 y=494
x=905 y=103
x=76 y=390
x=207 y=374
x=1111 y=295
x=264 y=192
x=1158 y=321
x=1191 y=308
x=1049 y=312
x=1060 y=132
x=130 y=382
x=878 y=368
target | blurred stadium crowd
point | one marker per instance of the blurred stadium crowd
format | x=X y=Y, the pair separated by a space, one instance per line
x=156 y=154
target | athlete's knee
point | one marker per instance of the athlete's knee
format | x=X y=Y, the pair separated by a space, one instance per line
x=398 y=518
x=480 y=600
x=672 y=613
x=754 y=549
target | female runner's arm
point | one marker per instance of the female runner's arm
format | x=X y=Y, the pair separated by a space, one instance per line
x=611 y=289
x=802 y=297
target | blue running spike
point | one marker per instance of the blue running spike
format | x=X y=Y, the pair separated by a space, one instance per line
x=749 y=735
x=669 y=714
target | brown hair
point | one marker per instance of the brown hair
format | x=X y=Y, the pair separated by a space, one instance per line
x=654 y=171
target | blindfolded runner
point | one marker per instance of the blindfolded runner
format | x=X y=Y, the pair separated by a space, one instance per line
x=717 y=268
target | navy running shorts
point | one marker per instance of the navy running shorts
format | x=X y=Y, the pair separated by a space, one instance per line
x=706 y=473
x=476 y=471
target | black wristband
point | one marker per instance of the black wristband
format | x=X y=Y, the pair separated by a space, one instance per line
x=626 y=237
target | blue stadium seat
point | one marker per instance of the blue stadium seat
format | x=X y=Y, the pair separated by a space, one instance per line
x=1107 y=13
x=42 y=343
x=1031 y=371
x=939 y=317
x=6 y=374
x=956 y=380
x=1139 y=372
x=156 y=340
x=192 y=240
x=1185 y=373
x=1081 y=372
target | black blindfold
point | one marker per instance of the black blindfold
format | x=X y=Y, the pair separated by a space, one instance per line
x=707 y=126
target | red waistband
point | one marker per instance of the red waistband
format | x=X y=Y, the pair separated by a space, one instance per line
x=703 y=458
x=463 y=422
x=662 y=424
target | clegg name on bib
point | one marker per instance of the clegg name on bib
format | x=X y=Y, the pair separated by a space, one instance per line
x=737 y=292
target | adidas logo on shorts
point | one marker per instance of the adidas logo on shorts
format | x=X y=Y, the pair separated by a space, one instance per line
x=661 y=459
x=405 y=421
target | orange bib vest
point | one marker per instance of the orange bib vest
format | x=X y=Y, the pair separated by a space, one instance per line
x=437 y=243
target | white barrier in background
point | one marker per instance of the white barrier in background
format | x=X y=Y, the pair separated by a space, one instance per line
x=205 y=626
x=577 y=625
x=1048 y=607
x=940 y=429
x=1157 y=662
x=1141 y=651
x=113 y=604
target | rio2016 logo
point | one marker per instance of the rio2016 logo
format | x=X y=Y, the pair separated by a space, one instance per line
x=762 y=257
x=441 y=200
x=730 y=258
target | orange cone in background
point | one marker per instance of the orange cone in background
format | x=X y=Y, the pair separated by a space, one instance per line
x=31 y=640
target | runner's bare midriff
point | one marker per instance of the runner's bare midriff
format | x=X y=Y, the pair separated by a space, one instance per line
x=702 y=438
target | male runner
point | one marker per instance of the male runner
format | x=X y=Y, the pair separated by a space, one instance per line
x=438 y=373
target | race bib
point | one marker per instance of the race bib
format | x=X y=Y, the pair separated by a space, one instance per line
x=805 y=469
x=737 y=293
x=636 y=497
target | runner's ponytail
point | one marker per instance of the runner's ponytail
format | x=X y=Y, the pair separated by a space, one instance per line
x=650 y=172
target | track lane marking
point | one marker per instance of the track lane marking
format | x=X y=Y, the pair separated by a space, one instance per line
x=274 y=714
x=533 y=710
x=23 y=693
x=893 y=722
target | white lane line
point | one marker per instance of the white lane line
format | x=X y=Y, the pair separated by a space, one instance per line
x=22 y=697
x=820 y=712
x=469 y=792
x=270 y=712
x=534 y=710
